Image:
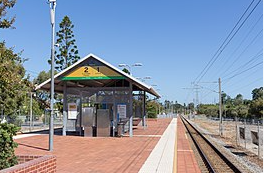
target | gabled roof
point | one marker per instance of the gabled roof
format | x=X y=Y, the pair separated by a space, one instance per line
x=57 y=78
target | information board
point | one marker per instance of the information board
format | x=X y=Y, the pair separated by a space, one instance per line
x=72 y=110
x=121 y=110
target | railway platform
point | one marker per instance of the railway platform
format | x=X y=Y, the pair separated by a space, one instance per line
x=162 y=147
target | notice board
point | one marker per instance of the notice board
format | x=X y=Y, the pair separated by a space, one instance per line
x=121 y=110
x=72 y=110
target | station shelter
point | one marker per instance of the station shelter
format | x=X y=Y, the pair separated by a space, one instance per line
x=98 y=98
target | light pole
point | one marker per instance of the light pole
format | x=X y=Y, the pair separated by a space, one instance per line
x=130 y=67
x=52 y=21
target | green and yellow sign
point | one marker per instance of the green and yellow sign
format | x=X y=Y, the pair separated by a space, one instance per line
x=93 y=72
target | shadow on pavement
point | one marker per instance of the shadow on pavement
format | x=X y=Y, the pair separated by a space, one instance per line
x=39 y=148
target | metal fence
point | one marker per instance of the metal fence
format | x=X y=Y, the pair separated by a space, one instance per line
x=246 y=133
x=38 y=122
x=169 y=115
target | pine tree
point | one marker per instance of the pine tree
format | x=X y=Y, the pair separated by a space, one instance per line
x=68 y=53
x=6 y=22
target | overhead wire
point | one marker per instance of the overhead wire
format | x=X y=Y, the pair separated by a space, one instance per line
x=246 y=85
x=260 y=63
x=225 y=39
x=224 y=44
x=252 y=60
x=237 y=48
x=229 y=67
x=227 y=83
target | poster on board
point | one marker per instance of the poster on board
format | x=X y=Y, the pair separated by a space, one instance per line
x=121 y=110
x=72 y=110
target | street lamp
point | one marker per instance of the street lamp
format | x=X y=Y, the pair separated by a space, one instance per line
x=130 y=67
x=52 y=21
x=147 y=77
x=125 y=65
x=144 y=78
x=137 y=65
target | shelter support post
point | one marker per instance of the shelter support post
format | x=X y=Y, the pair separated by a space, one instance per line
x=144 y=110
x=130 y=110
x=80 y=130
x=114 y=114
x=65 y=113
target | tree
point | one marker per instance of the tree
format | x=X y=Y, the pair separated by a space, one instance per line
x=242 y=111
x=68 y=53
x=5 y=22
x=191 y=106
x=238 y=100
x=14 y=85
x=43 y=97
x=152 y=108
x=178 y=108
x=208 y=110
x=257 y=93
x=126 y=70
x=256 y=106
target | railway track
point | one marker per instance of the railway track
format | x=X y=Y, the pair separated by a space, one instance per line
x=213 y=159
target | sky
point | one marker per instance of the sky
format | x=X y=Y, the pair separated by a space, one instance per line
x=174 y=40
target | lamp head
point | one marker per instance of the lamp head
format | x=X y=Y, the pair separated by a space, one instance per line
x=122 y=65
x=138 y=64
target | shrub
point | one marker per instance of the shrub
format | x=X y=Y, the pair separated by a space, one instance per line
x=7 y=145
x=152 y=114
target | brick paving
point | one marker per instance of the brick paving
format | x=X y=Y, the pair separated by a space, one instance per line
x=186 y=162
x=98 y=155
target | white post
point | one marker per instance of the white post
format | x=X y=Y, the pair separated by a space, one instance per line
x=245 y=133
x=115 y=123
x=65 y=113
x=31 y=112
x=144 y=109
x=130 y=109
x=81 y=102
x=258 y=142
x=236 y=132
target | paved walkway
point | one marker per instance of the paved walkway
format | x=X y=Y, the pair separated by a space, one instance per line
x=186 y=162
x=161 y=157
x=98 y=155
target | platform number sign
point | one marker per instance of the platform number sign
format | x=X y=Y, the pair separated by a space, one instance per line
x=86 y=69
x=93 y=72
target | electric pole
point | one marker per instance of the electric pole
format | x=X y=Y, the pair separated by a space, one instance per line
x=196 y=100
x=220 y=109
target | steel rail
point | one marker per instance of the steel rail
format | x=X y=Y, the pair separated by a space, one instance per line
x=204 y=157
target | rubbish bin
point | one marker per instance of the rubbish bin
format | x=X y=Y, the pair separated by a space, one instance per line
x=120 y=129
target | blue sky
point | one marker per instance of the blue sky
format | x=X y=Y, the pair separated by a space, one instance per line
x=174 y=40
